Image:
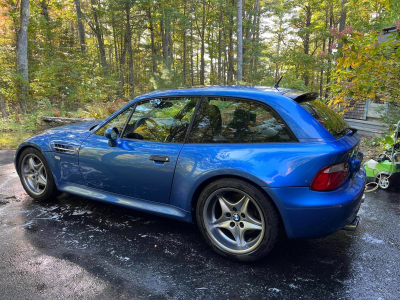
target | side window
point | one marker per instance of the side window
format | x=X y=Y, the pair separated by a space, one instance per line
x=118 y=121
x=161 y=120
x=221 y=120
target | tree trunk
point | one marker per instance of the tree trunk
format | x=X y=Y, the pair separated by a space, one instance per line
x=122 y=68
x=163 y=41
x=226 y=60
x=330 y=41
x=44 y=5
x=219 y=44
x=231 y=69
x=342 y=21
x=165 y=30
x=191 y=52
x=278 y=48
x=171 y=48
x=100 y=40
x=81 y=29
x=307 y=42
x=255 y=20
x=211 y=55
x=253 y=38
x=22 y=55
x=45 y=11
x=343 y=15
x=202 y=67
x=321 y=82
x=239 y=40
x=153 y=48
x=115 y=42
x=130 y=51
x=197 y=64
x=184 y=44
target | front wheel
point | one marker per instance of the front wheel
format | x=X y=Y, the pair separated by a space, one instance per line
x=35 y=175
x=237 y=220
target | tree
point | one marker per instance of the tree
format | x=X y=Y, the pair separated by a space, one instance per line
x=81 y=29
x=239 y=40
x=130 y=51
x=366 y=68
x=22 y=55
x=98 y=30
x=97 y=50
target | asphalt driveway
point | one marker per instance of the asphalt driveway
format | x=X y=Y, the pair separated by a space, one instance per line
x=75 y=248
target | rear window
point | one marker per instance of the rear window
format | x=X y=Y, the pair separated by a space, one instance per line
x=327 y=117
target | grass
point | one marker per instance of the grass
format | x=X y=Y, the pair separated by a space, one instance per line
x=17 y=127
x=11 y=140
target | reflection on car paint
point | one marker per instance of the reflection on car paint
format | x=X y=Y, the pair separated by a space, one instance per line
x=283 y=167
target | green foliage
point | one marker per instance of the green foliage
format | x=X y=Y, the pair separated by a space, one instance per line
x=168 y=79
x=100 y=110
x=367 y=68
x=11 y=140
x=385 y=142
x=374 y=142
x=290 y=38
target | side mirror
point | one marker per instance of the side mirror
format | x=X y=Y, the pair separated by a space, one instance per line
x=112 y=135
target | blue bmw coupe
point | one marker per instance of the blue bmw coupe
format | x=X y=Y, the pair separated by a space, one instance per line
x=247 y=164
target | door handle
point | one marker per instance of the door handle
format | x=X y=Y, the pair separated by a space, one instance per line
x=160 y=158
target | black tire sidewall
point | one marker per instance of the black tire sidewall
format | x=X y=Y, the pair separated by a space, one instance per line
x=51 y=189
x=268 y=210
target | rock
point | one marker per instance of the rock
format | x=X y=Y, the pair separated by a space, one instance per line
x=50 y=122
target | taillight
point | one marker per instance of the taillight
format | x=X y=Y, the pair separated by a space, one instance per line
x=330 y=178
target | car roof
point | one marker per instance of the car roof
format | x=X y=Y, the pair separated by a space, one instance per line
x=237 y=90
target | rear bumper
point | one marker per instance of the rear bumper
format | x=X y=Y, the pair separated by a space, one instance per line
x=311 y=214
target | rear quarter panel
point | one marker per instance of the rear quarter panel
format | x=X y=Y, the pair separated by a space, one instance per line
x=275 y=165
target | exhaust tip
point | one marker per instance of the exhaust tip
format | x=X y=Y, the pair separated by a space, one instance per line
x=353 y=225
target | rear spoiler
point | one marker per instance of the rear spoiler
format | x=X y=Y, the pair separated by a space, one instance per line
x=300 y=97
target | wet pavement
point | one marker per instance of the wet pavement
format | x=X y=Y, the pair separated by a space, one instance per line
x=71 y=247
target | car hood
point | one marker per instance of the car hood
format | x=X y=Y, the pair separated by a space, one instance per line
x=73 y=134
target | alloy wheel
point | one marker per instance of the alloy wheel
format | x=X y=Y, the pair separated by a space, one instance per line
x=234 y=220
x=34 y=174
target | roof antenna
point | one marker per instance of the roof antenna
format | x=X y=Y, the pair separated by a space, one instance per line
x=277 y=84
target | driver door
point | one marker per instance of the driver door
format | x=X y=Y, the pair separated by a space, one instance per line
x=142 y=164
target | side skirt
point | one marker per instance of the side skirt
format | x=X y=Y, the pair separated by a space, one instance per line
x=161 y=209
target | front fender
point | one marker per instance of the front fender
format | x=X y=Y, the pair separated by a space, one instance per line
x=64 y=166
x=27 y=143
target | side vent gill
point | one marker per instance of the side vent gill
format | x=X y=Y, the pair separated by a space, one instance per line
x=67 y=149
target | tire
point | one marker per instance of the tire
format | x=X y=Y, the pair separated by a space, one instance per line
x=236 y=230
x=36 y=176
x=383 y=181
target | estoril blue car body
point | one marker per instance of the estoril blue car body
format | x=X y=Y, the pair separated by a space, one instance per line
x=238 y=161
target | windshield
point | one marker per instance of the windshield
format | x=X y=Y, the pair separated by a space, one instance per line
x=330 y=119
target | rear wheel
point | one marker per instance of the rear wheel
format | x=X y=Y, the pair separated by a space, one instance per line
x=383 y=181
x=237 y=220
x=35 y=175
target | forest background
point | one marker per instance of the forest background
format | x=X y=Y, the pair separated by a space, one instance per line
x=79 y=58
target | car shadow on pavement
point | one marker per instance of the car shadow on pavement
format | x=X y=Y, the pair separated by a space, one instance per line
x=142 y=255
